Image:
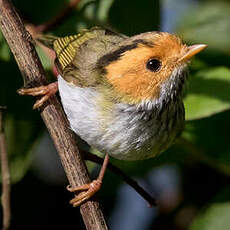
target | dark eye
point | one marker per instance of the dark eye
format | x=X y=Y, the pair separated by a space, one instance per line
x=153 y=65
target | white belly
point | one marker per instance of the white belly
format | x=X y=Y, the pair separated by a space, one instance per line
x=127 y=133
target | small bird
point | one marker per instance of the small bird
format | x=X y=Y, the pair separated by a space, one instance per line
x=122 y=95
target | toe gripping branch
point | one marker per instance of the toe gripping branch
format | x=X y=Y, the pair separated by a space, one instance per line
x=45 y=91
x=88 y=190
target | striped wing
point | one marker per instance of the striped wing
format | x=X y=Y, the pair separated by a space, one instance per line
x=77 y=55
x=66 y=47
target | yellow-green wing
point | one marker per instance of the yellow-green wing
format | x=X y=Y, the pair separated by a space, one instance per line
x=66 y=47
x=77 y=55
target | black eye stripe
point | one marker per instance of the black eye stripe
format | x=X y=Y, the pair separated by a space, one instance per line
x=115 y=55
x=153 y=65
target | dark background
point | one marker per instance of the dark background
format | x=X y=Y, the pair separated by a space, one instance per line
x=190 y=180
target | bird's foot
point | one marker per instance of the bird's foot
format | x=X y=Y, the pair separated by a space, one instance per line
x=45 y=91
x=86 y=192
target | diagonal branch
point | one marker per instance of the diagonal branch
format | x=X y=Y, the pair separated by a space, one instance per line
x=20 y=43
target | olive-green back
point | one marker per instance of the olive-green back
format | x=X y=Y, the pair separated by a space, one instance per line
x=77 y=55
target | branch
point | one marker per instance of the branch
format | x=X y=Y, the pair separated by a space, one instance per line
x=37 y=30
x=5 y=176
x=20 y=43
x=127 y=179
x=58 y=19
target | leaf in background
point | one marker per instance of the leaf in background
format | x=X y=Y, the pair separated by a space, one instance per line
x=208 y=23
x=84 y=16
x=5 y=54
x=22 y=125
x=215 y=217
x=96 y=11
x=45 y=60
x=208 y=93
x=21 y=136
x=103 y=9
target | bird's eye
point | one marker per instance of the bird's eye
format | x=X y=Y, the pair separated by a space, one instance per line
x=153 y=65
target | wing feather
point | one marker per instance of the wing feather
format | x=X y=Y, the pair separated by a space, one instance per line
x=77 y=55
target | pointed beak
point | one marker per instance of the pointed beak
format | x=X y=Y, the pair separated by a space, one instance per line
x=191 y=51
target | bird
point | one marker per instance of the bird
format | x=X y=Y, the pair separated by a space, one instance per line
x=122 y=95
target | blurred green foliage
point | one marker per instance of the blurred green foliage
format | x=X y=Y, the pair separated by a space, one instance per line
x=214 y=217
x=208 y=93
x=207 y=98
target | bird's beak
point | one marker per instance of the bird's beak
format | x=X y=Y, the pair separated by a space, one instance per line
x=191 y=51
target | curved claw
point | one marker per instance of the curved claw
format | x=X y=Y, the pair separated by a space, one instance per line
x=45 y=91
x=41 y=101
x=90 y=188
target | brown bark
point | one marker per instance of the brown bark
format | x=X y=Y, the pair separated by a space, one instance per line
x=20 y=43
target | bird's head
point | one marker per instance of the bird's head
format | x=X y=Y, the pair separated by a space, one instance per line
x=145 y=65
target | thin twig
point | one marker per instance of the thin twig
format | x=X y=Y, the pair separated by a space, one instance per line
x=5 y=176
x=37 y=30
x=21 y=45
x=59 y=18
x=127 y=179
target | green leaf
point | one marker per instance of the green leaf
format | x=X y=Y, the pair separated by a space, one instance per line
x=22 y=125
x=208 y=23
x=21 y=137
x=5 y=53
x=45 y=60
x=208 y=93
x=215 y=217
x=103 y=9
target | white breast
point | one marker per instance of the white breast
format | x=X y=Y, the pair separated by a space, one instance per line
x=128 y=133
